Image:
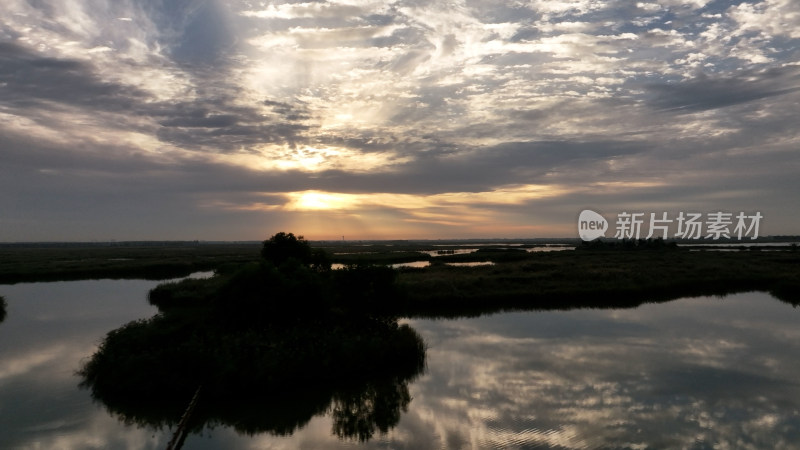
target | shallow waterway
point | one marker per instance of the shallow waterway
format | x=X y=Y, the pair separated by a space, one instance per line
x=692 y=373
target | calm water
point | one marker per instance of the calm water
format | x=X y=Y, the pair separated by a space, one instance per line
x=693 y=373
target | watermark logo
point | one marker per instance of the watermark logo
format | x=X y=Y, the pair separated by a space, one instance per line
x=591 y=225
x=693 y=225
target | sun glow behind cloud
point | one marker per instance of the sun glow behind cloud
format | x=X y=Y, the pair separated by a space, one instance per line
x=512 y=195
x=387 y=211
x=315 y=201
x=312 y=159
x=326 y=215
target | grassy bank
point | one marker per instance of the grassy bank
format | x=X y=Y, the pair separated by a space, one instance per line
x=596 y=278
x=592 y=277
x=162 y=260
x=149 y=260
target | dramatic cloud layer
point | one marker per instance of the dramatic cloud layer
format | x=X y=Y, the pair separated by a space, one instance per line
x=207 y=119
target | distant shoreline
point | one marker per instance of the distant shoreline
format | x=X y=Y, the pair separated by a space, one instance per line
x=325 y=242
x=519 y=278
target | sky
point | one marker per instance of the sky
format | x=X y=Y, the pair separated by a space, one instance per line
x=233 y=120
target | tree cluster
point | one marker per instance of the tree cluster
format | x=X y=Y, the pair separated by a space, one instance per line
x=287 y=331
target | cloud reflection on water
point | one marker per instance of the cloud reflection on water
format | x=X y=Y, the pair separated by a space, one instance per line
x=695 y=372
x=51 y=328
x=692 y=373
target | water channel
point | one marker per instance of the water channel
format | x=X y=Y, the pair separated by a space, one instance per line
x=692 y=373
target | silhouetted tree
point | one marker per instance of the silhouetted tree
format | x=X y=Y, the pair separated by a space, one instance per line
x=284 y=246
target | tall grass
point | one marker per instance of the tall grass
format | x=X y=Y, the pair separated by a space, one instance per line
x=595 y=279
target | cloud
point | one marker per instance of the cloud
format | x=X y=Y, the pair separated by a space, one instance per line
x=218 y=126
x=28 y=79
x=39 y=83
x=705 y=93
x=206 y=33
x=411 y=98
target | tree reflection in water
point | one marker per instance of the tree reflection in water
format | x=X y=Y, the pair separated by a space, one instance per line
x=361 y=381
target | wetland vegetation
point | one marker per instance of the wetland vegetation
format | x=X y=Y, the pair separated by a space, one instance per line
x=596 y=274
x=124 y=260
x=596 y=277
x=264 y=348
x=277 y=337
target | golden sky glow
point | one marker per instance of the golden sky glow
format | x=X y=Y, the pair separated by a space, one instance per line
x=316 y=200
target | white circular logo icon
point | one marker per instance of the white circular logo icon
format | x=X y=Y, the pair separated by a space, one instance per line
x=591 y=225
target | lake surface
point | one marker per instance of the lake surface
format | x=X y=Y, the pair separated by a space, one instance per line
x=692 y=373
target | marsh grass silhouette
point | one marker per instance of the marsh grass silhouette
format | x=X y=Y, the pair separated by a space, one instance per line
x=597 y=276
x=271 y=344
x=147 y=260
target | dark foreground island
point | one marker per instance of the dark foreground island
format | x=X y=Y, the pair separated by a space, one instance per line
x=263 y=348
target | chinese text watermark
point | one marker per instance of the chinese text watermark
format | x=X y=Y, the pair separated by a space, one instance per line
x=693 y=225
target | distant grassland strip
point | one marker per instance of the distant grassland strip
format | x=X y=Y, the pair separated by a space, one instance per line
x=57 y=262
x=606 y=277
x=596 y=279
